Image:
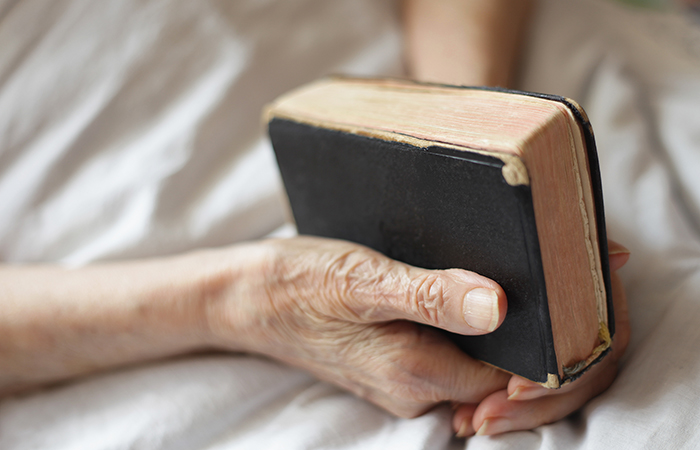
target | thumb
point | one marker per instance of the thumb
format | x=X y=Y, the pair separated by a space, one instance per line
x=376 y=289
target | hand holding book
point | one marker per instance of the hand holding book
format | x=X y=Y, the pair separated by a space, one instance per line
x=525 y=405
x=356 y=318
x=502 y=183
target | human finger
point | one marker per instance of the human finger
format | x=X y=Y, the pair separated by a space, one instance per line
x=463 y=418
x=325 y=306
x=524 y=405
x=527 y=409
x=411 y=369
x=618 y=255
x=529 y=414
x=522 y=389
x=374 y=288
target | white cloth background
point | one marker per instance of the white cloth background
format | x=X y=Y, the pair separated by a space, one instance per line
x=131 y=128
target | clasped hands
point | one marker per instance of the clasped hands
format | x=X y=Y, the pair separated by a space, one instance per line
x=355 y=318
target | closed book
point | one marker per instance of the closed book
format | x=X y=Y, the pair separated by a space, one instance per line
x=502 y=183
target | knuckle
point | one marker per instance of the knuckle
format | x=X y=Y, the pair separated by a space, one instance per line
x=336 y=273
x=354 y=279
x=426 y=298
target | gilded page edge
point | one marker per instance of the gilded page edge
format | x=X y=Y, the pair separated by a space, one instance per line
x=514 y=171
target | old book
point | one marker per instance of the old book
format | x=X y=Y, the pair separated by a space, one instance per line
x=502 y=183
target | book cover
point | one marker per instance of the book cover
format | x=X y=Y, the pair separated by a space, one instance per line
x=434 y=205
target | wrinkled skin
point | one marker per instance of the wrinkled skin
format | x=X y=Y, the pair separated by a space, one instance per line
x=357 y=319
x=341 y=311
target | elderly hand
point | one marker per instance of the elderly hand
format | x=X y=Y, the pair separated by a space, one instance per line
x=352 y=317
x=339 y=310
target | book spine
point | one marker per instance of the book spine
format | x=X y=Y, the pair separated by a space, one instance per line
x=532 y=245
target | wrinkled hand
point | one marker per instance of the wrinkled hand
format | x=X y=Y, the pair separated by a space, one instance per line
x=352 y=317
x=525 y=405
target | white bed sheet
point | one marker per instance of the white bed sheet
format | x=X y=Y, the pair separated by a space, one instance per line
x=130 y=129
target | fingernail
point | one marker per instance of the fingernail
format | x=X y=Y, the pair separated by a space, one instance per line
x=494 y=425
x=527 y=393
x=481 y=309
x=617 y=256
x=617 y=249
x=465 y=429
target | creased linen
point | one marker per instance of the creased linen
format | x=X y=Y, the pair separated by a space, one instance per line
x=131 y=129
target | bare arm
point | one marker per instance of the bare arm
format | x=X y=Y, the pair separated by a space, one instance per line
x=318 y=304
x=58 y=323
x=468 y=42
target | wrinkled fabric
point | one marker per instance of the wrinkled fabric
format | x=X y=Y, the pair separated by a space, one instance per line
x=132 y=129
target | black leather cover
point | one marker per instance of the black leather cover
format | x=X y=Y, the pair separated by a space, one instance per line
x=435 y=208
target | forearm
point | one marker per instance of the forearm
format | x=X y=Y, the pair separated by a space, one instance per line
x=469 y=42
x=58 y=323
x=336 y=309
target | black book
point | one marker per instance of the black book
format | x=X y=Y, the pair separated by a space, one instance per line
x=502 y=183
